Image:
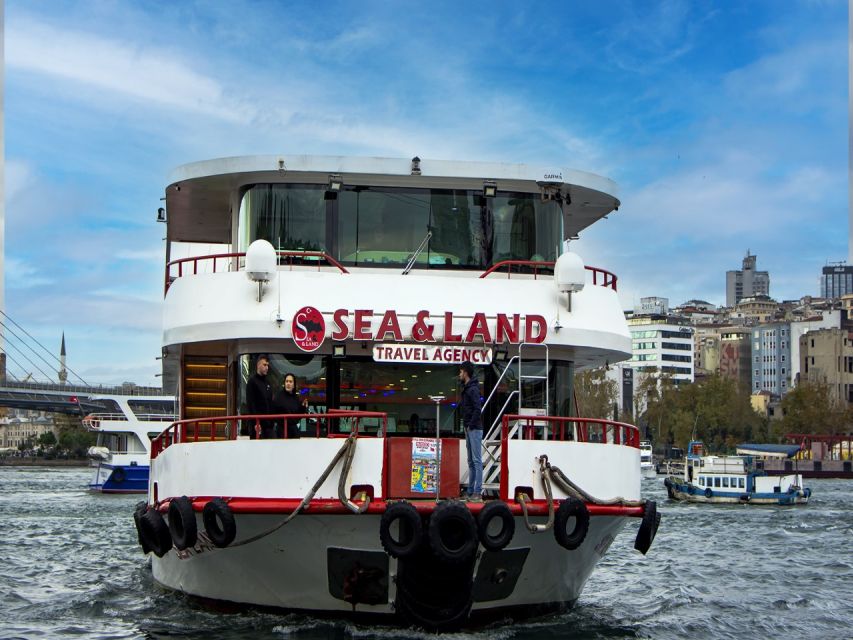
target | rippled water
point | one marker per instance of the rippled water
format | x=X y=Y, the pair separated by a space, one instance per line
x=70 y=567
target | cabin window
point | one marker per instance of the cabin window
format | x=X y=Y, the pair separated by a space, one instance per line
x=291 y=216
x=701 y=481
x=725 y=482
x=716 y=482
x=384 y=226
x=740 y=483
x=149 y=408
x=309 y=370
x=109 y=406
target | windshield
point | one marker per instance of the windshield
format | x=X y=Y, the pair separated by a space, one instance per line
x=383 y=226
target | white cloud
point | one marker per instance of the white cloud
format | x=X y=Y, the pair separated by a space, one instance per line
x=21 y=274
x=118 y=67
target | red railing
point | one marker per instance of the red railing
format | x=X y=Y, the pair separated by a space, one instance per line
x=326 y=425
x=556 y=428
x=190 y=265
x=607 y=278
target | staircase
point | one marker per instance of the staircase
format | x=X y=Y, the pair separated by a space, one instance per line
x=204 y=390
x=492 y=437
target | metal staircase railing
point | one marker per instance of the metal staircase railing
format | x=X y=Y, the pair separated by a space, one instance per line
x=492 y=438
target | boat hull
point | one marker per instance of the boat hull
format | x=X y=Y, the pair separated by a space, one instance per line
x=680 y=490
x=109 y=478
x=307 y=565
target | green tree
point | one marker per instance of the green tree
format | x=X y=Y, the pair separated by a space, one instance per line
x=75 y=440
x=811 y=408
x=595 y=394
x=47 y=439
x=715 y=410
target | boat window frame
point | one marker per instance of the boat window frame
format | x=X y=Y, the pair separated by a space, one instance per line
x=491 y=222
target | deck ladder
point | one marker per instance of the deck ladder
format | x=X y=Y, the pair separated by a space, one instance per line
x=492 y=435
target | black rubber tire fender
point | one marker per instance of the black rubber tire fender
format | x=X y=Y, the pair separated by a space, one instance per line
x=118 y=475
x=708 y=493
x=138 y=512
x=491 y=511
x=433 y=619
x=410 y=527
x=648 y=527
x=155 y=533
x=215 y=512
x=452 y=532
x=571 y=507
x=182 y=523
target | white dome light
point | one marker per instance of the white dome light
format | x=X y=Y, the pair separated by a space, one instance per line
x=261 y=261
x=569 y=273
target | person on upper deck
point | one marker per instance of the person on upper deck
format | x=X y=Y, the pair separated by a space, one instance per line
x=470 y=407
x=259 y=398
x=288 y=401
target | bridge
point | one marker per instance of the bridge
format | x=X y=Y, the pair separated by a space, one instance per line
x=70 y=399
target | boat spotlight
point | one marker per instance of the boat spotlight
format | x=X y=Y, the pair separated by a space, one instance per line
x=569 y=274
x=261 y=264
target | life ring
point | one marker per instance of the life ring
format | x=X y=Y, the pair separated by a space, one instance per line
x=219 y=523
x=182 y=524
x=118 y=476
x=496 y=510
x=155 y=532
x=138 y=512
x=708 y=493
x=571 y=507
x=648 y=527
x=452 y=532
x=410 y=530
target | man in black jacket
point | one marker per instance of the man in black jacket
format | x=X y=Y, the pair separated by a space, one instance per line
x=259 y=398
x=471 y=405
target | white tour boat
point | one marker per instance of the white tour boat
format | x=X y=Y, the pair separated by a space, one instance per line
x=732 y=479
x=647 y=463
x=124 y=430
x=372 y=280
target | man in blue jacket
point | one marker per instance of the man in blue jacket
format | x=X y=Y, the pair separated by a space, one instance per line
x=471 y=405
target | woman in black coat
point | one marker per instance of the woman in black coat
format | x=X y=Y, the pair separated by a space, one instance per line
x=288 y=401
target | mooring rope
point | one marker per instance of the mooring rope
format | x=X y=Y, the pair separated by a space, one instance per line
x=523 y=497
x=349 y=446
x=562 y=481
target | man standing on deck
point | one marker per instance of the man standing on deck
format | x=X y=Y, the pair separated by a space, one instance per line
x=471 y=406
x=259 y=398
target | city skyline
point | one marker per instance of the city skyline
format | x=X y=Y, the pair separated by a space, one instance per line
x=723 y=125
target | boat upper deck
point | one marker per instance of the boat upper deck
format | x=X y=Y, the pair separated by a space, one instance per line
x=201 y=196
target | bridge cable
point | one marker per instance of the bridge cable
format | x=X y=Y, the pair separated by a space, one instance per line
x=24 y=355
x=69 y=369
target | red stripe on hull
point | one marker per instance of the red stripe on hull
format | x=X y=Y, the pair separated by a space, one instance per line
x=334 y=507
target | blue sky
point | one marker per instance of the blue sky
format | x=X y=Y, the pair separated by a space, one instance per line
x=724 y=123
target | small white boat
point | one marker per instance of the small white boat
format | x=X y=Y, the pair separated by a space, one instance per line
x=732 y=479
x=120 y=458
x=647 y=464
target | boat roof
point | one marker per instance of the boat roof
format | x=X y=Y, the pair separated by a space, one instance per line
x=201 y=196
x=788 y=449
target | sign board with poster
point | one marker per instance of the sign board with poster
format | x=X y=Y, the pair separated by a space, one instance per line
x=424 y=465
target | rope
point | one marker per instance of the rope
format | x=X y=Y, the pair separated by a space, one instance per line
x=342 y=496
x=349 y=444
x=523 y=497
x=562 y=481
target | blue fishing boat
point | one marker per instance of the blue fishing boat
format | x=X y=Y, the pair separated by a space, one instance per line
x=732 y=479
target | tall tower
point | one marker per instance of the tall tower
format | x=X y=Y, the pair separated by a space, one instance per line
x=63 y=373
x=747 y=282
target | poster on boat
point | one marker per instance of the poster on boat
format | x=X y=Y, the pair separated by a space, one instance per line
x=424 y=465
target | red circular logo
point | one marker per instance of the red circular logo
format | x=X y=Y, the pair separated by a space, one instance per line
x=308 y=329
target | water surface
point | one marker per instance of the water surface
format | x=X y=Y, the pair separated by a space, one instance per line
x=70 y=567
